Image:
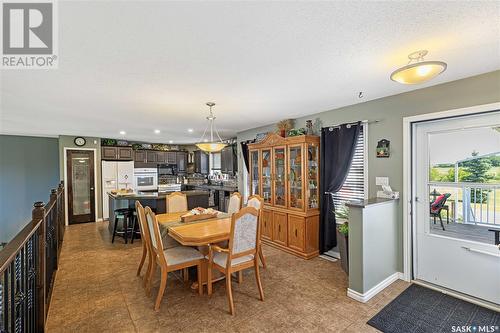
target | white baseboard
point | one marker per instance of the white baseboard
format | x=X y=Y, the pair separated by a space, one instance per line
x=99 y=220
x=363 y=298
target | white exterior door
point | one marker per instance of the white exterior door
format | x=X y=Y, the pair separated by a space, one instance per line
x=460 y=254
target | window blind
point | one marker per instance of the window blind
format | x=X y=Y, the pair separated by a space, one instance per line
x=354 y=185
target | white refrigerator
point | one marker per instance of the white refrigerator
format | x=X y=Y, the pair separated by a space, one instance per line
x=115 y=176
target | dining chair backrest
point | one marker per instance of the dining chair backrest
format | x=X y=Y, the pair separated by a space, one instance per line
x=234 y=203
x=154 y=232
x=143 y=227
x=176 y=202
x=255 y=201
x=243 y=239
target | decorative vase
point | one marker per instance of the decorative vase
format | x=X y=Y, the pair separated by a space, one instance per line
x=309 y=127
x=283 y=132
x=343 y=244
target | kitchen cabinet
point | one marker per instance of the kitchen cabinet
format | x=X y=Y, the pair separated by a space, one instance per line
x=181 y=158
x=161 y=157
x=117 y=153
x=229 y=160
x=200 y=162
x=171 y=157
x=151 y=156
x=140 y=156
x=285 y=172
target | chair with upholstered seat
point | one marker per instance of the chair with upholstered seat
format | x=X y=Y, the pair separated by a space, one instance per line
x=257 y=202
x=234 y=205
x=244 y=243
x=176 y=202
x=171 y=259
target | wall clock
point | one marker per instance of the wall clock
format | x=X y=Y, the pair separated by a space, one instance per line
x=79 y=141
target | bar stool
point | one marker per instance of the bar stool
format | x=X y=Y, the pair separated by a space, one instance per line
x=135 y=227
x=126 y=215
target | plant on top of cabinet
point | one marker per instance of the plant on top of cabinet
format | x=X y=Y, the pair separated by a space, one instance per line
x=108 y=142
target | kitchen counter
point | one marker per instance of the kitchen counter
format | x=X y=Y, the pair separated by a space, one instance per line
x=152 y=195
x=215 y=187
x=219 y=196
x=156 y=201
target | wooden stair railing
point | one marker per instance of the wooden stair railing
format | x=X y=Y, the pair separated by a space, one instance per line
x=28 y=265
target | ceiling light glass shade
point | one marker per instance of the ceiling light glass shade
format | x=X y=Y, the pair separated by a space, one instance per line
x=211 y=147
x=418 y=70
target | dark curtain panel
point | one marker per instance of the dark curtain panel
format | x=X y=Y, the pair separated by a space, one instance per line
x=337 y=150
x=244 y=151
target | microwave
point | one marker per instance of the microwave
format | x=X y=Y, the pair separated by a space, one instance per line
x=145 y=179
x=167 y=170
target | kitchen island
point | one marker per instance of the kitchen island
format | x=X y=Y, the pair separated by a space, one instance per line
x=219 y=194
x=155 y=200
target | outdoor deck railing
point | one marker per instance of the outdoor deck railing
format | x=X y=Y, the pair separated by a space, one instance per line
x=475 y=203
x=27 y=267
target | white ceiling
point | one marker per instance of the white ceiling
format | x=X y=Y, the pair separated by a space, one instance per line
x=139 y=66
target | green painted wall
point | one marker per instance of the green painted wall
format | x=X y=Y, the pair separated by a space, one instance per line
x=66 y=141
x=28 y=171
x=476 y=90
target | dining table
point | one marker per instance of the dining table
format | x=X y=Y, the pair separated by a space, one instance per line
x=199 y=233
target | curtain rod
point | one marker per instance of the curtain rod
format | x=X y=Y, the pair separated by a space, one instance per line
x=354 y=123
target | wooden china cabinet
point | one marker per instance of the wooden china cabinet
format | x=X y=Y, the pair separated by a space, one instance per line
x=285 y=172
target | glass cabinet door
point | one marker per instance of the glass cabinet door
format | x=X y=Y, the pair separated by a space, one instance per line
x=254 y=172
x=312 y=176
x=279 y=177
x=295 y=188
x=266 y=176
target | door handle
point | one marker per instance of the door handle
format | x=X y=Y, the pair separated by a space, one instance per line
x=480 y=251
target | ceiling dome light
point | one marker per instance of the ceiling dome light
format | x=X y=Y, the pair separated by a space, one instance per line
x=418 y=70
x=211 y=146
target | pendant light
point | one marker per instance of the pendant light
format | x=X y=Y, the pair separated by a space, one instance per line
x=418 y=70
x=211 y=146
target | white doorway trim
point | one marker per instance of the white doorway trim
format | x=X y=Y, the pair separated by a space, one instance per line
x=408 y=222
x=66 y=181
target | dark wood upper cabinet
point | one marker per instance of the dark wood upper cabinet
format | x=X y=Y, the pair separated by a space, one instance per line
x=181 y=161
x=151 y=156
x=117 y=153
x=125 y=153
x=140 y=156
x=229 y=160
x=171 y=157
x=161 y=157
x=200 y=162
x=109 y=153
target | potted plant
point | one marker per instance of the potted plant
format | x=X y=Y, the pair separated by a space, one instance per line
x=342 y=214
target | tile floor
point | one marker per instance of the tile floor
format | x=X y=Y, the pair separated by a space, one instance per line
x=96 y=290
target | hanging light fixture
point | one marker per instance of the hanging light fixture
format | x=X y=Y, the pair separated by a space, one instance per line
x=211 y=146
x=418 y=70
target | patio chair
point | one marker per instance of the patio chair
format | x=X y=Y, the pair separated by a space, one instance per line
x=437 y=206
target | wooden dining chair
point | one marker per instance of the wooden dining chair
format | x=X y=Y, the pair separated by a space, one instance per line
x=169 y=260
x=145 y=239
x=244 y=243
x=176 y=202
x=257 y=202
x=235 y=202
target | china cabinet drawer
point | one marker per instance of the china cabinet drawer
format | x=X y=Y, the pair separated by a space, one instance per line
x=280 y=228
x=296 y=232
